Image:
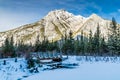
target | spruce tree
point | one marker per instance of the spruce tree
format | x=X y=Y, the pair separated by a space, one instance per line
x=23 y=48
x=77 y=46
x=52 y=46
x=82 y=44
x=113 y=37
x=12 y=48
x=37 y=44
x=68 y=45
x=8 y=47
x=90 y=39
x=44 y=45
x=97 y=40
x=118 y=41
x=103 y=46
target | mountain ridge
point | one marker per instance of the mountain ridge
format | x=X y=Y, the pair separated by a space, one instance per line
x=54 y=25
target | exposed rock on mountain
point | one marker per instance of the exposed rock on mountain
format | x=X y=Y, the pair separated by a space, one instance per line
x=56 y=24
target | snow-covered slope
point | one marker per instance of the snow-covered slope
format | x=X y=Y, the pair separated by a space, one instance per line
x=13 y=70
x=56 y=24
x=90 y=68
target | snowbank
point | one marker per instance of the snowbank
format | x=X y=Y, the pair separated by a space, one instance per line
x=98 y=68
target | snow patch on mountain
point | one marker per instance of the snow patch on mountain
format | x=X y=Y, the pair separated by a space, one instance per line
x=56 y=24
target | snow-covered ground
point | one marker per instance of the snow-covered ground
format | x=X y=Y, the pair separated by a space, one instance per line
x=13 y=70
x=89 y=69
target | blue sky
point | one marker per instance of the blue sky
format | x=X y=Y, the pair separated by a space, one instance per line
x=14 y=13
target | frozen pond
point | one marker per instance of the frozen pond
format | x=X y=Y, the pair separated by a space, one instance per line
x=88 y=69
x=100 y=70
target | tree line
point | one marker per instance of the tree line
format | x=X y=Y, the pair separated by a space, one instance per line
x=93 y=45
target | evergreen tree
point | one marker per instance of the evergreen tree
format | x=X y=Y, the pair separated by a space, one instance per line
x=8 y=47
x=68 y=45
x=12 y=48
x=51 y=46
x=103 y=46
x=37 y=44
x=118 y=41
x=90 y=43
x=82 y=44
x=23 y=48
x=113 y=38
x=97 y=41
x=77 y=46
x=44 y=45
x=65 y=47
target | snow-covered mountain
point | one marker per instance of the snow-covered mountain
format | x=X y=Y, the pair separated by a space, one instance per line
x=56 y=24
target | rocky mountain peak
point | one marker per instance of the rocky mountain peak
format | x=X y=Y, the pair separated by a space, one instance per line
x=58 y=14
x=54 y=25
x=95 y=16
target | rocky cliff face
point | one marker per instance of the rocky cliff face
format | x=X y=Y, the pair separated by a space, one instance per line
x=56 y=24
